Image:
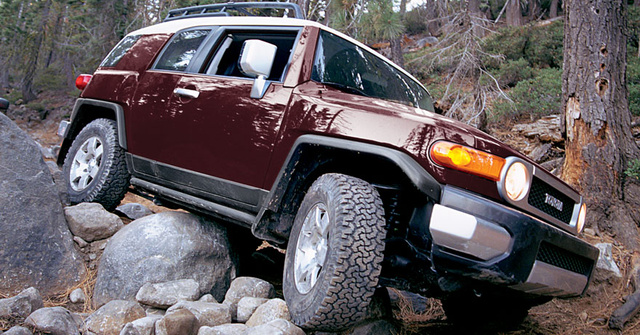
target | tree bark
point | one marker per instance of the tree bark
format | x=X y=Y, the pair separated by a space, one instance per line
x=396 y=43
x=27 y=80
x=597 y=119
x=534 y=10
x=476 y=17
x=553 y=9
x=514 y=13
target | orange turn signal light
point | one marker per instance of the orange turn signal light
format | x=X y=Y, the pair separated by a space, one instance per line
x=467 y=159
x=82 y=81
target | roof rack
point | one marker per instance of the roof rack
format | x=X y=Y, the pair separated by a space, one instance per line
x=221 y=9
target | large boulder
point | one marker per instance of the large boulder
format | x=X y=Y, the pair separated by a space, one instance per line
x=164 y=247
x=37 y=247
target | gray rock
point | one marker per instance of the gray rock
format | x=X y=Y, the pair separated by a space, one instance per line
x=91 y=221
x=81 y=243
x=278 y=327
x=247 y=287
x=77 y=296
x=112 y=317
x=134 y=211
x=151 y=311
x=246 y=307
x=143 y=326
x=166 y=294
x=37 y=247
x=179 y=322
x=207 y=298
x=164 y=247
x=269 y=311
x=605 y=260
x=225 y=329
x=208 y=313
x=53 y=320
x=18 y=330
x=59 y=181
x=22 y=304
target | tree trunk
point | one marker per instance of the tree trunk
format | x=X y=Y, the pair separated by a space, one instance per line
x=534 y=10
x=597 y=119
x=27 y=80
x=396 y=43
x=476 y=17
x=553 y=9
x=514 y=13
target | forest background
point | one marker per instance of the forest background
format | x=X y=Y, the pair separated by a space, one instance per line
x=489 y=63
x=490 y=58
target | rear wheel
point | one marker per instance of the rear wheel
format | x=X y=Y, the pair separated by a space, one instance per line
x=95 y=167
x=334 y=254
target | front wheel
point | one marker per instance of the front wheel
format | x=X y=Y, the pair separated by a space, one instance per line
x=95 y=168
x=334 y=254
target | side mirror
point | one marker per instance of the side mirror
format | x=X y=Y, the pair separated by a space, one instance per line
x=4 y=104
x=256 y=60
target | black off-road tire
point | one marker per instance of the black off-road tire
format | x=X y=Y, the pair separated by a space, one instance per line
x=349 y=275
x=112 y=179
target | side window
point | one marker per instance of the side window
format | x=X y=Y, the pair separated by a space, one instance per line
x=342 y=64
x=181 y=49
x=226 y=57
x=119 y=51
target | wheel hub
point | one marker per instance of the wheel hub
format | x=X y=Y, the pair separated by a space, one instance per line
x=311 y=249
x=86 y=164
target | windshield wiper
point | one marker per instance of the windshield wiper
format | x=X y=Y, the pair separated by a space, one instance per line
x=346 y=88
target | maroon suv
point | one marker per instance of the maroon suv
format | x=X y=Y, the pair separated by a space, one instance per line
x=312 y=140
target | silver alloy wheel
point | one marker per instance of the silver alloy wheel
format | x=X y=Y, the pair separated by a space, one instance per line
x=311 y=249
x=86 y=164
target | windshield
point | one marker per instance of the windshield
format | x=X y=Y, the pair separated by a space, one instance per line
x=344 y=65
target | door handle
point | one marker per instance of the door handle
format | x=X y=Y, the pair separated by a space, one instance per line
x=184 y=92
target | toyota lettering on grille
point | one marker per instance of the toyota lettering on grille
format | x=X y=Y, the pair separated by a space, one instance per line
x=553 y=201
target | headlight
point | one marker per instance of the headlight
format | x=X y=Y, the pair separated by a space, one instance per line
x=516 y=181
x=582 y=217
x=467 y=159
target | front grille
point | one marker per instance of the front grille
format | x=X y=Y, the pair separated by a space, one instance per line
x=564 y=259
x=550 y=201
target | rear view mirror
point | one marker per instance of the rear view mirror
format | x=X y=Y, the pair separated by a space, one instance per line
x=256 y=60
x=4 y=104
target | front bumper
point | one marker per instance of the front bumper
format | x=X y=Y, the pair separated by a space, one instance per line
x=482 y=240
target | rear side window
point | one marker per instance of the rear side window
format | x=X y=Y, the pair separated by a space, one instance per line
x=181 y=49
x=119 y=51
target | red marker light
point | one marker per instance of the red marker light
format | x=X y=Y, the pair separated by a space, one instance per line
x=82 y=81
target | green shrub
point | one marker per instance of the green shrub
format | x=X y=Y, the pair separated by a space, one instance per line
x=540 y=46
x=536 y=97
x=51 y=79
x=414 y=21
x=633 y=81
x=633 y=170
x=545 y=45
x=513 y=71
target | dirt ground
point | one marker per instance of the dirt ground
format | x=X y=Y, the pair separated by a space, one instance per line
x=585 y=315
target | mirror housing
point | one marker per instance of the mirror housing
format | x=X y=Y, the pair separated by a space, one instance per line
x=256 y=61
x=4 y=104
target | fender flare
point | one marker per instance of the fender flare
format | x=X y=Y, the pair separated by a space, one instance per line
x=79 y=119
x=263 y=227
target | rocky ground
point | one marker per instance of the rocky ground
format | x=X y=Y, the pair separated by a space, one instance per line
x=410 y=314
